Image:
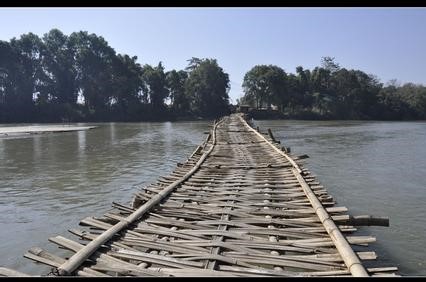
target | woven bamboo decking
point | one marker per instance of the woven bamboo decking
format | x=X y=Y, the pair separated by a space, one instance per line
x=239 y=206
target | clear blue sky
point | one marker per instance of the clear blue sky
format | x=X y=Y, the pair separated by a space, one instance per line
x=387 y=42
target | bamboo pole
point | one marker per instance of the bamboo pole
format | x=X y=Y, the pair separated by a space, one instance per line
x=79 y=257
x=349 y=257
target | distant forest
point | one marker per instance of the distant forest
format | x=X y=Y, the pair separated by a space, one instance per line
x=60 y=78
x=332 y=92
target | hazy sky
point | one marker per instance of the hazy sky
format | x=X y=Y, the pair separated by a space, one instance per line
x=387 y=42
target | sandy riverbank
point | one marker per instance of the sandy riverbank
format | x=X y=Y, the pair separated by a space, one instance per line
x=9 y=131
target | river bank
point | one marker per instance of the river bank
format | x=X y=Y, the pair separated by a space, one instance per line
x=14 y=131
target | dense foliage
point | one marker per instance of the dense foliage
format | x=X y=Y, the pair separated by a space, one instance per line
x=81 y=78
x=332 y=92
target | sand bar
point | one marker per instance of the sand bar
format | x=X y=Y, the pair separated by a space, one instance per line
x=36 y=129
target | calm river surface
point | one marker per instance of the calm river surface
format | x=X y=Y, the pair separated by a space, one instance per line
x=49 y=182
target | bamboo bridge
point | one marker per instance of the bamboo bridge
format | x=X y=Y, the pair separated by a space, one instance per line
x=241 y=205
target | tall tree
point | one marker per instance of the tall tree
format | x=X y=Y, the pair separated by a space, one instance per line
x=10 y=78
x=176 y=84
x=305 y=85
x=94 y=59
x=155 y=85
x=127 y=87
x=207 y=87
x=59 y=67
x=266 y=84
x=329 y=64
x=26 y=74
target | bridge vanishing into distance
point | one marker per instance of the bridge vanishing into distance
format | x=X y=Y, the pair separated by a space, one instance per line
x=241 y=205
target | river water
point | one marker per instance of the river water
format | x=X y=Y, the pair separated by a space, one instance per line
x=49 y=182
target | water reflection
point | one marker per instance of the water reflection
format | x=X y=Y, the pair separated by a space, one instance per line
x=37 y=148
x=112 y=132
x=81 y=145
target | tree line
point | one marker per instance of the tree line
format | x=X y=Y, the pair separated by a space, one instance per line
x=57 y=78
x=81 y=78
x=330 y=91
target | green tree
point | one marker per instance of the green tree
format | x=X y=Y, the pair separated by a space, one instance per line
x=127 y=87
x=329 y=64
x=155 y=85
x=305 y=86
x=266 y=84
x=60 y=69
x=94 y=64
x=296 y=96
x=10 y=75
x=24 y=75
x=176 y=84
x=355 y=93
x=207 y=87
x=255 y=85
x=392 y=104
x=403 y=102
